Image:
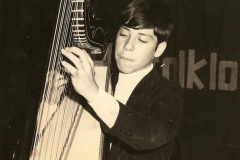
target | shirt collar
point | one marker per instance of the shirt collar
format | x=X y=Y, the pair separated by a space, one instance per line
x=135 y=76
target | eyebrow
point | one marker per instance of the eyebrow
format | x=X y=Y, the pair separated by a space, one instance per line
x=125 y=27
x=142 y=34
x=146 y=35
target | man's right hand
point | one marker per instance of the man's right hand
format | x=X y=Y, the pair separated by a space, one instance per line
x=55 y=84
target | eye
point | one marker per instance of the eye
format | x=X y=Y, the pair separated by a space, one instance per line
x=123 y=35
x=142 y=41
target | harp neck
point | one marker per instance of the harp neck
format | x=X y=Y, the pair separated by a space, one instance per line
x=80 y=23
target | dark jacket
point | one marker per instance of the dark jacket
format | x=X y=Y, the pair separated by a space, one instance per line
x=147 y=125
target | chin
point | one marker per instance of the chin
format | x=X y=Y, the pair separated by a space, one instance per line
x=126 y=71
x=124 y=68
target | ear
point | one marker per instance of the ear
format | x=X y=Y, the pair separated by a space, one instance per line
x=160 y=49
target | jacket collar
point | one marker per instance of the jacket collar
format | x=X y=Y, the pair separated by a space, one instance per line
x=144 y=86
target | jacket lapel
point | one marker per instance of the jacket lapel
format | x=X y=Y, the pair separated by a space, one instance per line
x=141 y=91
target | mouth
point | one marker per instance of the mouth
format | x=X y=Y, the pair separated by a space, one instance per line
x=125 y=59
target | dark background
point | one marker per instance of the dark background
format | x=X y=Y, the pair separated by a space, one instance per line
x=211 y=125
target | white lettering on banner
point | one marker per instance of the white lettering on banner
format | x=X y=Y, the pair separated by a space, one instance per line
x=227 y=71
x=169 y=61
x=182 y=68
x=192 y=67
x=213 y=70
x=222 y=85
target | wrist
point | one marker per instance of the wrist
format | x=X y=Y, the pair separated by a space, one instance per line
x=92 y=93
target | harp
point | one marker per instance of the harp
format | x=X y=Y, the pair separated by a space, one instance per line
x=65 y=130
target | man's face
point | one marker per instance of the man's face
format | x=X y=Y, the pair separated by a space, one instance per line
x=135 y=49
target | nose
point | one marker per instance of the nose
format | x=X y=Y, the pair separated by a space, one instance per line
x=129 y=44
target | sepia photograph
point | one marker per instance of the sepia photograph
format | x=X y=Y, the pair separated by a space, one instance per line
x=119 y=80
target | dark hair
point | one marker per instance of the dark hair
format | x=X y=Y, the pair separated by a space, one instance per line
x=142 y=14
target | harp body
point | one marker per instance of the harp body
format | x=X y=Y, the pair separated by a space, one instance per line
x=65 y=130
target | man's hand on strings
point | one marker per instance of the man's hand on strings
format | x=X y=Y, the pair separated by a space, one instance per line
x=82 y=73
x=55 y=83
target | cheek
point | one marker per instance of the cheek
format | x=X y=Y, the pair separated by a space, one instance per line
x=118 y=41
x=115 y=55
x=145 y=56
x=117 y=49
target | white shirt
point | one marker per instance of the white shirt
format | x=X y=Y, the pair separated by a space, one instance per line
x=106 y=106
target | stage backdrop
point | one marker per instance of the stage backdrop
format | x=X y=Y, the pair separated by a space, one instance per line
x=203 y=56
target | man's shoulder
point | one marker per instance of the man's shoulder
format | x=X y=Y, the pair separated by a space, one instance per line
x=159 y=79
x=160 y=83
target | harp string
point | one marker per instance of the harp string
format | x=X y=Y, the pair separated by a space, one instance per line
x=68 y=32
x=67 y=115
x=54 y=51
x=51 y=64
x=55 y=59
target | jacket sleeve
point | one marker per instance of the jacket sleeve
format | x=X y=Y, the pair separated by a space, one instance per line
x=155 y=125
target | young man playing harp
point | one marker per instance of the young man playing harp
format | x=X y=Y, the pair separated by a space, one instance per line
x=143 y=116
